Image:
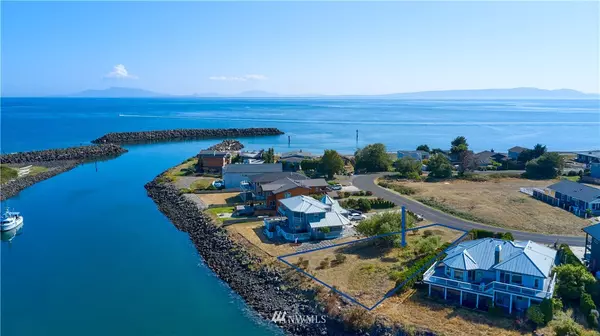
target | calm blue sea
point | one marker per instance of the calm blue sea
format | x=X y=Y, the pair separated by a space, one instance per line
x=96 y=257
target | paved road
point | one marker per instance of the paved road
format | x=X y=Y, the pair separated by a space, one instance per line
x=366 y=182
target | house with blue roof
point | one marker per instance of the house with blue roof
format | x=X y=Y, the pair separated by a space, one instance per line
x=303 y=218
x=494 y=272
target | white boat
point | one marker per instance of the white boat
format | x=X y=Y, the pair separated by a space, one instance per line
x=10 y=220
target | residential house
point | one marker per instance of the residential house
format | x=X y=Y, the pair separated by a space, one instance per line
x=577 y=198
x=292 y=160
x=304 y=218
x=288 y=187
x=495 y=272
x=211 y=161
x=591 y=253
x=595 y=170
x=588 y=157
x=486 y=158
x=418 y=155
x=251 y=157
x=513 y=153
x=235 y=174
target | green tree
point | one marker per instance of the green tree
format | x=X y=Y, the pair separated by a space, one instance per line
x=382 y=223
x=269 y=156
x=573 y=281
x=459 y=144
x=439 y=166
x=373 y=158
x=535 y=315
x=531 y=154
x=538 y=150
x=363 y=205
x=467 y=162
x=408 y=167
x=436 y=151
x=547 y=166
x=310 y=164
x=331 y=163
x=424 y=148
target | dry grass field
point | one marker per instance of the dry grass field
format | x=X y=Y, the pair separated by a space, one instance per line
x=367 y=271
x=499 y=202
x=220 y=198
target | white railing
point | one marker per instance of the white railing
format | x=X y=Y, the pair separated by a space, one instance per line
x=24 y=171
x=488 y=288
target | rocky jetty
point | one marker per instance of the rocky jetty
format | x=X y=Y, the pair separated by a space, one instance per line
x=184 y=134
x=11 y=188
x=81 y=153
x=263 y=288
x=227 y=146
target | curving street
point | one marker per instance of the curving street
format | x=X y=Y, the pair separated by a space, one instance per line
x=367 y=183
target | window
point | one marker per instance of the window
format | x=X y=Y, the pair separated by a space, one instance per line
x=517 y=279
x=458 y=275
x=447 y=271
x=287 y=195
x=536 y=283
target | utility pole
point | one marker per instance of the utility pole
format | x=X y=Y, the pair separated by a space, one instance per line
x=356 y=139
x=289 y=140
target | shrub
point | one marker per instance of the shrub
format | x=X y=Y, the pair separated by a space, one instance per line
x=586 y=304
x=507 y=236
x=340 y=258
x=535 y=315
x=547 y=309
x=427 y=233
x=369 y=193
x=428 y=245
x=358 y=319
x=557 y=305
x=592 y=319
x=324 y=264
x=567 y=327
x=401 y=189
x=381 y=203
x=573 y=281
x=567 y=256
x=364 y=205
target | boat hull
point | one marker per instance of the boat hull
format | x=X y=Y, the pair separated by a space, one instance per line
x=12 y=224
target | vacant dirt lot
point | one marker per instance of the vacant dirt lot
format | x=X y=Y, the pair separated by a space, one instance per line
x=366 y=273
x=416 y=309
x=499 y=202
x=220 y=198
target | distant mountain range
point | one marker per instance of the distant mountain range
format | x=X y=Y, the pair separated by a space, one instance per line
x=516 y=93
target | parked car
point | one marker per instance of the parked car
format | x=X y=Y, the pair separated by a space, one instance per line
x=336 y=187
x=419 y=217
x=355 y=216
x=219 y=184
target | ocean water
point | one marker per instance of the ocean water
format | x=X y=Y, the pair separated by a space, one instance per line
x=96 y=257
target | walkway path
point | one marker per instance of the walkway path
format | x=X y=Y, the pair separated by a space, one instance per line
x=367 y=183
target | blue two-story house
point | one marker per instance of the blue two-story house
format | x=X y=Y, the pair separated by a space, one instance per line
x=494 y=272
x=304 y=218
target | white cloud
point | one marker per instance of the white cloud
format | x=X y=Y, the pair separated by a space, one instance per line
x=238 y=78
x=119 y=71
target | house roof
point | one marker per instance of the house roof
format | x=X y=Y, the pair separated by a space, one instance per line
x=298 y=153
x=335 y=205
x=595 y=153
x=521 y=257
x=304 y=204
x=271 y=177
x=484 y=157
x=314 y=183
x=281 y=185
x=331 y=219
x=517 y=149
x=593 y=230
x=294 y=159
x=409 y=152
x=253 y=168
x=207 y=153
x=251 y=154
x=576 y=190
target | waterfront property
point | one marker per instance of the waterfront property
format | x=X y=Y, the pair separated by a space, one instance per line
x=577 y=198
x=489 y=271
x=588 y=157
x=418 y=155
x=211 y=161
x=251 y=157
x=304 y=218
x=268 y=189
x=591 y=254
x=513 y=153
x=292 y=160
x=234 y=174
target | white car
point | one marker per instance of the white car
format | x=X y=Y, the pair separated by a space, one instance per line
x=336 y=187
x=356 y=216
x=419 y=217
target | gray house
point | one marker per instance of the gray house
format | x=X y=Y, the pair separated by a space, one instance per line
x=235 y=174
x=513 y=153
x=494 y=272
x=589 y=157
x=592 y=247
x=577 y=198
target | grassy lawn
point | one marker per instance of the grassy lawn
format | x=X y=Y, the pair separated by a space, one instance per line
x=496 y=202
x=370 y=268
x=202 y=183
x=571 y=178
x=7 y=174
x=216 y=211
x=187 y=168
x=220 y=198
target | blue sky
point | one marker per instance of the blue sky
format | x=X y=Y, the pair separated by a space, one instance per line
x=298 y=48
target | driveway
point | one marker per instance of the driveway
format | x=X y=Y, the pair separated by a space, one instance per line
x=367 y=183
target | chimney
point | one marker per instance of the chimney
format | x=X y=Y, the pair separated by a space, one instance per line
x=497 y=254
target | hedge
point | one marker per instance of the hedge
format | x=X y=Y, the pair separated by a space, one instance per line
x=566 y=256
x=423 y=262
x=479 y=234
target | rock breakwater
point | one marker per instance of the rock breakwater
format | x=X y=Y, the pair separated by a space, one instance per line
x=81 y=153
x=15 y=186
x=264 y=289
x=184 y=134
x=227 y=146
